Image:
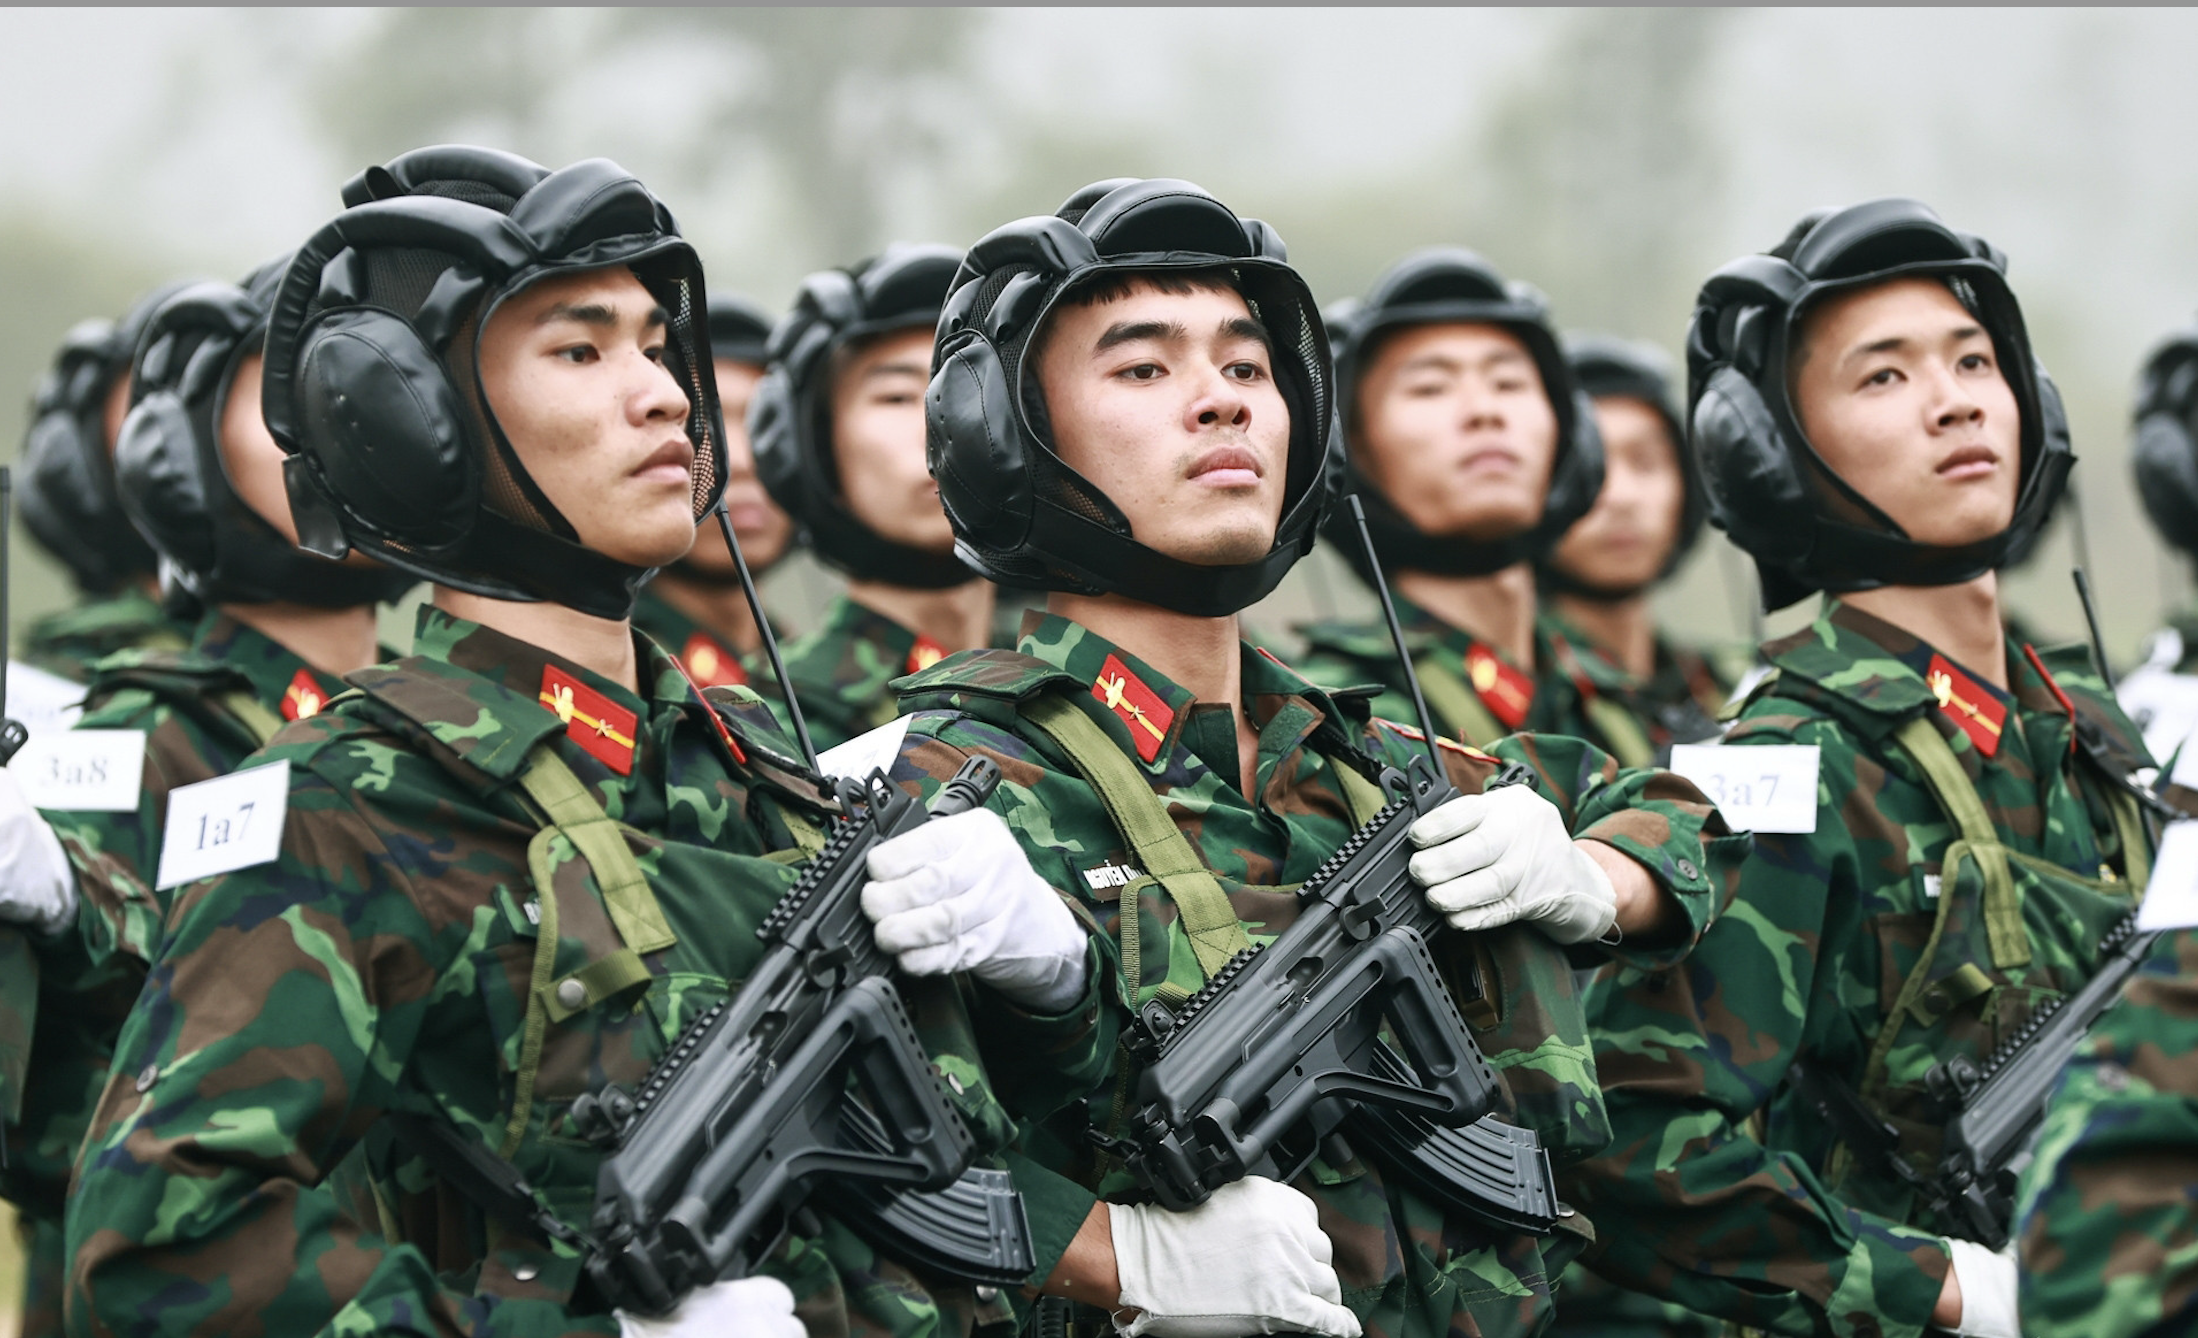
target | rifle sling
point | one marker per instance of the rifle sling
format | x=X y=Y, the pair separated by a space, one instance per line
x=1452 y=698
x=484 y=1179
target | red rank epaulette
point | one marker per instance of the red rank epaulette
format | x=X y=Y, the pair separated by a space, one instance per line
x=1505 y=691
x=1441 y=741
x=924 y=654
x=303 y=697
x=1138 y=706
x=602 y=728
x=1976 y=710
x=709 y=664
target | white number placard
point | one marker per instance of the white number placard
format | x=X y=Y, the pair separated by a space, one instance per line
x=44 y=702
x=1758 y=787
x=82 y=770
x=229 y=822
x=865 y=753
x=2171 y=897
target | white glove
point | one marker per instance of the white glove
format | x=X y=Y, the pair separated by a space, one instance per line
x=749 y=1307
x=958 y=894
x=1251 y=1259
x=1489 y=859
x=1987 y=1290
x=37 y=886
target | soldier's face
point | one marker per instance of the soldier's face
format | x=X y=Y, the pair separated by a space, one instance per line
x=878 y=440
x=1455 y=429
x=1624 y=541
x=1901 y=393
x=763 y=530
x=249 y=452
x=1167 y=402
x=574 y=370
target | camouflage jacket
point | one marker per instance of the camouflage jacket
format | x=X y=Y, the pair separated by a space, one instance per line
x=383 y=961
x=71 y=642
x=841 y=671
x=2109 y=1228
x=1405 y=1269
x=1474 y=691
x=1678 y=702
x=708 y=659
x=1858 y=948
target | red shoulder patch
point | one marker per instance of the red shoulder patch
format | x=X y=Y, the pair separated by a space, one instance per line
x=924 y=654
x=304 y=697
x=1137 y=706
x=709 y=664
x=1980 y=714
x=1505 y=691
x=603 y=729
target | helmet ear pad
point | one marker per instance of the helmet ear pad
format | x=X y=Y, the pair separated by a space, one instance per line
x=1754 y=484
x=976 y=447
x=379 y=417
x=162 y=486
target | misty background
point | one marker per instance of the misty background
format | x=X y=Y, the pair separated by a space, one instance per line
x=1611 y=157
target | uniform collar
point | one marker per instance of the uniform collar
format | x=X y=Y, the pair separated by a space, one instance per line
x=832 y=665
x=274 y=673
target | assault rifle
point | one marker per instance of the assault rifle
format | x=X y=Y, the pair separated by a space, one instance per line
x=1281 y=1053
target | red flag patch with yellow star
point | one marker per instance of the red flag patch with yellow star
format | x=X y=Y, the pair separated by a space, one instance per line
x=1980 y=714
x=1505 y=691
x=924 y=654
x=304 y=697
x=1138 y=706
x=602 y=728
x=709 y=664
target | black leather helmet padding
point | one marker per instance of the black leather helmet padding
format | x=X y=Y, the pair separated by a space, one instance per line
x=2165 y=455
x=1768 y=488
x=379 y=396
x=1023 y=516
x=1449 y=285
x=740 y=331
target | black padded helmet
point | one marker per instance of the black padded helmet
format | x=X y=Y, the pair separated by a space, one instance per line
x=739 y=329
x=1806 y=527
x=65 y=486
x=1448 y=285
x=174 y=482
x=2166 y=453
x=373 y=383
x=1608 y=367
x=790 y=418
x=1025 y=518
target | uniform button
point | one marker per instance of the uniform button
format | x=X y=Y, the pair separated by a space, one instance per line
x=527 y=1272
x=571 y=993
x=955 y=1083
x=986 y=1295
x=147 y=1076
x=1688 y=871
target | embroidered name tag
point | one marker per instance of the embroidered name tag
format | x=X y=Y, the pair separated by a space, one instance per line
x=2171 y=897
x=1112 y=875
x=1759 y=788
x=865 y=753
x=82 y=770
x=227 y=823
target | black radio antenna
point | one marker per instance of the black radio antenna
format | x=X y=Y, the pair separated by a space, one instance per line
x=770 y=640
x=1396 y=630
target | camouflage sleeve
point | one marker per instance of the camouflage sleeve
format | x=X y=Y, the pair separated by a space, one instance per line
x=1688 y=1204
x=272 y=1029
x=2108 y=1227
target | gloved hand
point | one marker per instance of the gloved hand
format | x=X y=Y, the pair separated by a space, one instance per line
x=37 y=886
x=762 y=1307
x=1488 y=859
x=1987 y=1279
x=1251 y=1259
x=958 y=894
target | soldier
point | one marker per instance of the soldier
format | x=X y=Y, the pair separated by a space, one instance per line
x=695 y=608
x=66 y=489
x=838 y=427
x=1130 y=406
x=1473 y=449
x=1871 y=423
x=2161 y=694
x=198 y=474
x=1595 y=583
x=494 y=377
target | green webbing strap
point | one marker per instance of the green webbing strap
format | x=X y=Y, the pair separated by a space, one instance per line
x=808 y=836
x=1980 y=842
x=252 y=714
x=1360 y=795
x=1622 y=734
x=1201 y=906
x=2129 y=824
x=1454 y=699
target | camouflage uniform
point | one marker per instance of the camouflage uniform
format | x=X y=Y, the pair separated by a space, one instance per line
x=1477 y=694
x=842 y=670
x=1678 y=702
x=71 y=642
x=202 y=710
x=706 y=657
x=387 y=960
x=2109 y=1231
x=1404 y=1268
x=1906 y=929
